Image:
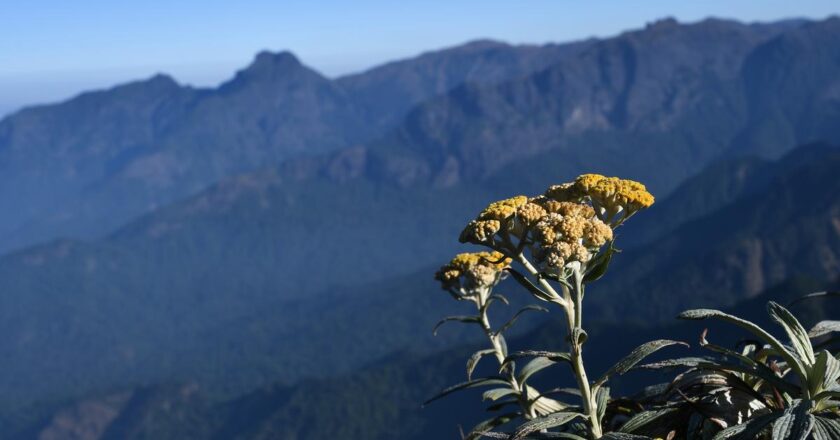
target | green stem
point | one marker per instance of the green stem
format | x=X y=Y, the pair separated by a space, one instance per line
x=527 y=408
x=573 y=306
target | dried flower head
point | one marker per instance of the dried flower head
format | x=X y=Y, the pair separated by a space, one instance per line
x=503 y=209
x=491 y=219
x=469 y=271
x=609 y=195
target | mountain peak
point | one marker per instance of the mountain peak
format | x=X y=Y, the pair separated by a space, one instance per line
x=271 y=61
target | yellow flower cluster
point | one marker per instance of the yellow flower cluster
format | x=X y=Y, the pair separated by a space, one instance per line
x=491 y=219
x=573 y=235
x=609 y=195
x=472 y=270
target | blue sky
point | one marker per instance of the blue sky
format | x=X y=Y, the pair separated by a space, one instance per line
x=52 y=49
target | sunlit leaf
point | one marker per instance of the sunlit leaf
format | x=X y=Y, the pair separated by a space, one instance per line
x=792 y=360
x=645 y=418
x=636 y=356
x=473 y=360
x=795 y=423
x=532 y=367
x=797 y=334
x=544 y=422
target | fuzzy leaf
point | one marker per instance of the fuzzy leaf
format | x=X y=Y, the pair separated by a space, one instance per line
x=544 y=422
x=473 y=360
x=792 y=360
x=796 y=423
x=602 y=397
x=624 y=436
x=512 y=320
x=497 y=393
x=636 y=356
x=644 y=418
x=484 y=381
x=466 y=319
x=748 y=430
x=532 y=367
x=826 y=429
x=526 y=282
x=823 y=294
x=797 y=334
x=486 y=426
x=555 y=356
x=823 y=328
x=602 y=262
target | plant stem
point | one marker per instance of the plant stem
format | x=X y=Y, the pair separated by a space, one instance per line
x=527 y=409
x=573 y=306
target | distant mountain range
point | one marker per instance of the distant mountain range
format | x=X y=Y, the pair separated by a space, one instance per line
x=284 y=226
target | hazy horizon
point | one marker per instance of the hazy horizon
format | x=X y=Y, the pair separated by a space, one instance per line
x=47 y=67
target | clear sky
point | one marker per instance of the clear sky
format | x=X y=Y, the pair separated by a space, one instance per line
x=53 y=49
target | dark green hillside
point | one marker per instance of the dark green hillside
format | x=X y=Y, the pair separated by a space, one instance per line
x=382 y=402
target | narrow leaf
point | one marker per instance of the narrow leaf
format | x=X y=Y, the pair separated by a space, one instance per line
x=473 y=360
x=526 y=282
x=484 y=381
x=512 y=320
x=545 y=422
x=826 y=429
x=749 y=430
x=532 y=367
x=823 y=294
x=645 y=418
x=823 y=328
x=795 y=424
x=555 y=356
x=497 y=393
x=602 y=397
x=467 y=319
x=797 y=334
x=600 y=265
x=794 y=362
x=486 y=426
x=636 y=356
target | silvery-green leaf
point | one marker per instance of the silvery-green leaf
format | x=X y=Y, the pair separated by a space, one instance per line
x=532 y=367
x=512 y=320
x=624 y=436
x=497 y=393
x=749 y=430
x=526 y=282
x=484 y=381
x=544 y=422
x=467 y=319
x=814 y=295
x=599 y=266
x=555 y=356
x=602 y=398
x=795 y=423
x=486 y=426
x=826 y=429
x=789 y=357
x=473 y=360
x=823 y=328
x=797 y=334
x=636 y=356
x=645 y=418
x=825 y=372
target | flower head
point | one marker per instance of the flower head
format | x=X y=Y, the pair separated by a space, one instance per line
x=491 y=220
x=608 y=195
x=470 y=271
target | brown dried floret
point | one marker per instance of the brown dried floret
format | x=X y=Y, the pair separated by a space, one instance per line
x=470 y=270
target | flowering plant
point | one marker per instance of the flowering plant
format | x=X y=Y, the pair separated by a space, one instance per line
x=561 y=241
